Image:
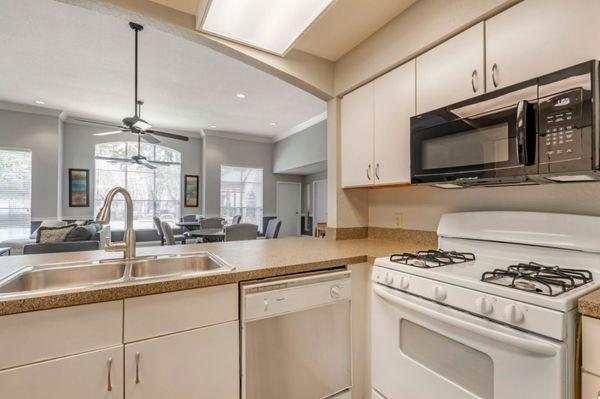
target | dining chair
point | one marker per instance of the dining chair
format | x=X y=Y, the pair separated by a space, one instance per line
x=241 y=232
x=168 y=233
x=237 y=219
x=212 y=223
x=188 y=218
x=321 y=229
x=158 y=226
x=272 y=230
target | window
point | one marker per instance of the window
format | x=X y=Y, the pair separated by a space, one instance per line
x=242 y=194
x=15 y=193
x=155 y=192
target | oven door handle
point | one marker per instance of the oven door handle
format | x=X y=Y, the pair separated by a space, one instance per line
x=529 y=345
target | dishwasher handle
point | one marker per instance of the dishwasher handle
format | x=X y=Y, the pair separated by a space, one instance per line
x=294 y=295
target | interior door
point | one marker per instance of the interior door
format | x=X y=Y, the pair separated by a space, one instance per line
x=92 y=375
x=201 y=363
x=424 y=350
x=288 y=208
x=535 y=37
x=452 y=71
x=394 y=105
x=357 y=137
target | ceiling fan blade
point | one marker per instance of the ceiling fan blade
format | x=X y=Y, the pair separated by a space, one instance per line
x=99 y=123
x=148 y=138
x=168 y=135
x=146 y=164
x=109 y=133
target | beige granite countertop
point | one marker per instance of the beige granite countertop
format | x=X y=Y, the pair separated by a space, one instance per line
x=251 y=259
x=589 y=305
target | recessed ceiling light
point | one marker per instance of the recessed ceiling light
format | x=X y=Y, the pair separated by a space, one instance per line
x=273 y=124
x=213 y=126
x=40 y=102
x=240 y=95
x=269 y=25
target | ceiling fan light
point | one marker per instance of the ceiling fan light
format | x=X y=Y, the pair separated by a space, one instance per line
x=142 y=125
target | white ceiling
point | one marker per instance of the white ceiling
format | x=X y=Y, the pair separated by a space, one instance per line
x=81 y=61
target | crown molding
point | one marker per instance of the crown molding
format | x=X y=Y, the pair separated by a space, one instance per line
x=30 y=109
x=301 y=126
x=238 y=136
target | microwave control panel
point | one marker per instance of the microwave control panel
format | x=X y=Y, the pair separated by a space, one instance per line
x=560 y=119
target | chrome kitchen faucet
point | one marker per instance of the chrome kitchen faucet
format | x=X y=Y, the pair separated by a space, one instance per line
x=103 y=217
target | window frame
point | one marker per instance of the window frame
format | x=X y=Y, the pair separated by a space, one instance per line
x=262 y=183
x=26 y=227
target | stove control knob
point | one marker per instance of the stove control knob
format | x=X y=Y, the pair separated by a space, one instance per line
x=389 y=278
x=484 y=305
x=404 y=283
x=439 y=293
x=513 y=314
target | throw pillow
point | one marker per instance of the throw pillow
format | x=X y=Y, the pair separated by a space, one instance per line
x=79 y=233
x=96 y=226
x=53 y=234
x=47 y=223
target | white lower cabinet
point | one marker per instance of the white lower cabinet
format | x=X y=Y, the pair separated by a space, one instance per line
x=201 y=363
x=92 y=375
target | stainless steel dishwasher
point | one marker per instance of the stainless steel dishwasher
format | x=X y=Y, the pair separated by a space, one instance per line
x=296 y=337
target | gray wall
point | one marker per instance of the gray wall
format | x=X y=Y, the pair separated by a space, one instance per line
x=78 y=152
x=41 y=135
x=307 y=147
x=225 y=151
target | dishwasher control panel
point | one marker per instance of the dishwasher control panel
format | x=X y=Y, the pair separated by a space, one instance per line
x=281 y=297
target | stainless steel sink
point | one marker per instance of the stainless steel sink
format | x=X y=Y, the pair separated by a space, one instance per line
x=57 y=277
x=178 y=265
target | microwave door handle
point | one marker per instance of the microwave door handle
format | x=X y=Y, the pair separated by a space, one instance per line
x=529 y=345
x=523 y=151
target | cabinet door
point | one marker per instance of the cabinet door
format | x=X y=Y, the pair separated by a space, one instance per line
x=74 y=377
x=394 y=104
x=590 y=386
x=201 y=363
x=536 y=37
x=357 y=137
x=452 y=71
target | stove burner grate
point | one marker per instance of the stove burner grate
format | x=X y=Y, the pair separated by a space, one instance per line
x=432 y=258
x=541 y=279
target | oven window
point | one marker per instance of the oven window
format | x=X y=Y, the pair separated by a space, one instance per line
x=468 y=368
x=486 y=145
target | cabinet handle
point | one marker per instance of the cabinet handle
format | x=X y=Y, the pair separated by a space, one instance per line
x=109 y=386
x=377 y=171
x=494 y=72
x=137 y=367
x=369 y=172
x=473 y=78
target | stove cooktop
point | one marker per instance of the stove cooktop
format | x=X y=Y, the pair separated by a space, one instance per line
x=432 y=258
x=537 y=278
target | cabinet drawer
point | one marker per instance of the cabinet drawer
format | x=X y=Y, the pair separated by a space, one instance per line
x=74 y=377
x=36 y=336
x=591 y=345
x=590 y=386
x=155 y=315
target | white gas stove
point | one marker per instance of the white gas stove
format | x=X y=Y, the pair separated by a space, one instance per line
x=507 y=281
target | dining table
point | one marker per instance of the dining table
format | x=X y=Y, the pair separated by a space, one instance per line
x=210 y=234
x=189 y=225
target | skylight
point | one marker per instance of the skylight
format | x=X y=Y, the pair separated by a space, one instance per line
x=271 y=25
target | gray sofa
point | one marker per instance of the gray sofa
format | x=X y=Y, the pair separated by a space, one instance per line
x=67 y=246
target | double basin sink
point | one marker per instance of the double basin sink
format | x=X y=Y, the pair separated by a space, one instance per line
x=66 y=276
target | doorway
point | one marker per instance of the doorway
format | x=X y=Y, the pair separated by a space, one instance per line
x=319 y=200
x=288 y=208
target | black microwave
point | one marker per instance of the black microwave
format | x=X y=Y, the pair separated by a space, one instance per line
x=539 y=131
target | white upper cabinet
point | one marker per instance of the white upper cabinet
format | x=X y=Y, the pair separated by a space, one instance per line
x=536 y=37
x=452 y=71
x=357 y=137
x=394 y=105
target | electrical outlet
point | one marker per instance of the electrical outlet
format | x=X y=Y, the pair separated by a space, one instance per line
x=398 y=219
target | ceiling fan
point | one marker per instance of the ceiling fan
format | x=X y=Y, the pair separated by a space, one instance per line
x=135 y=124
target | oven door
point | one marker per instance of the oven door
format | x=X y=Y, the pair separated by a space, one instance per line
x=489 y=139
x=423 y=350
